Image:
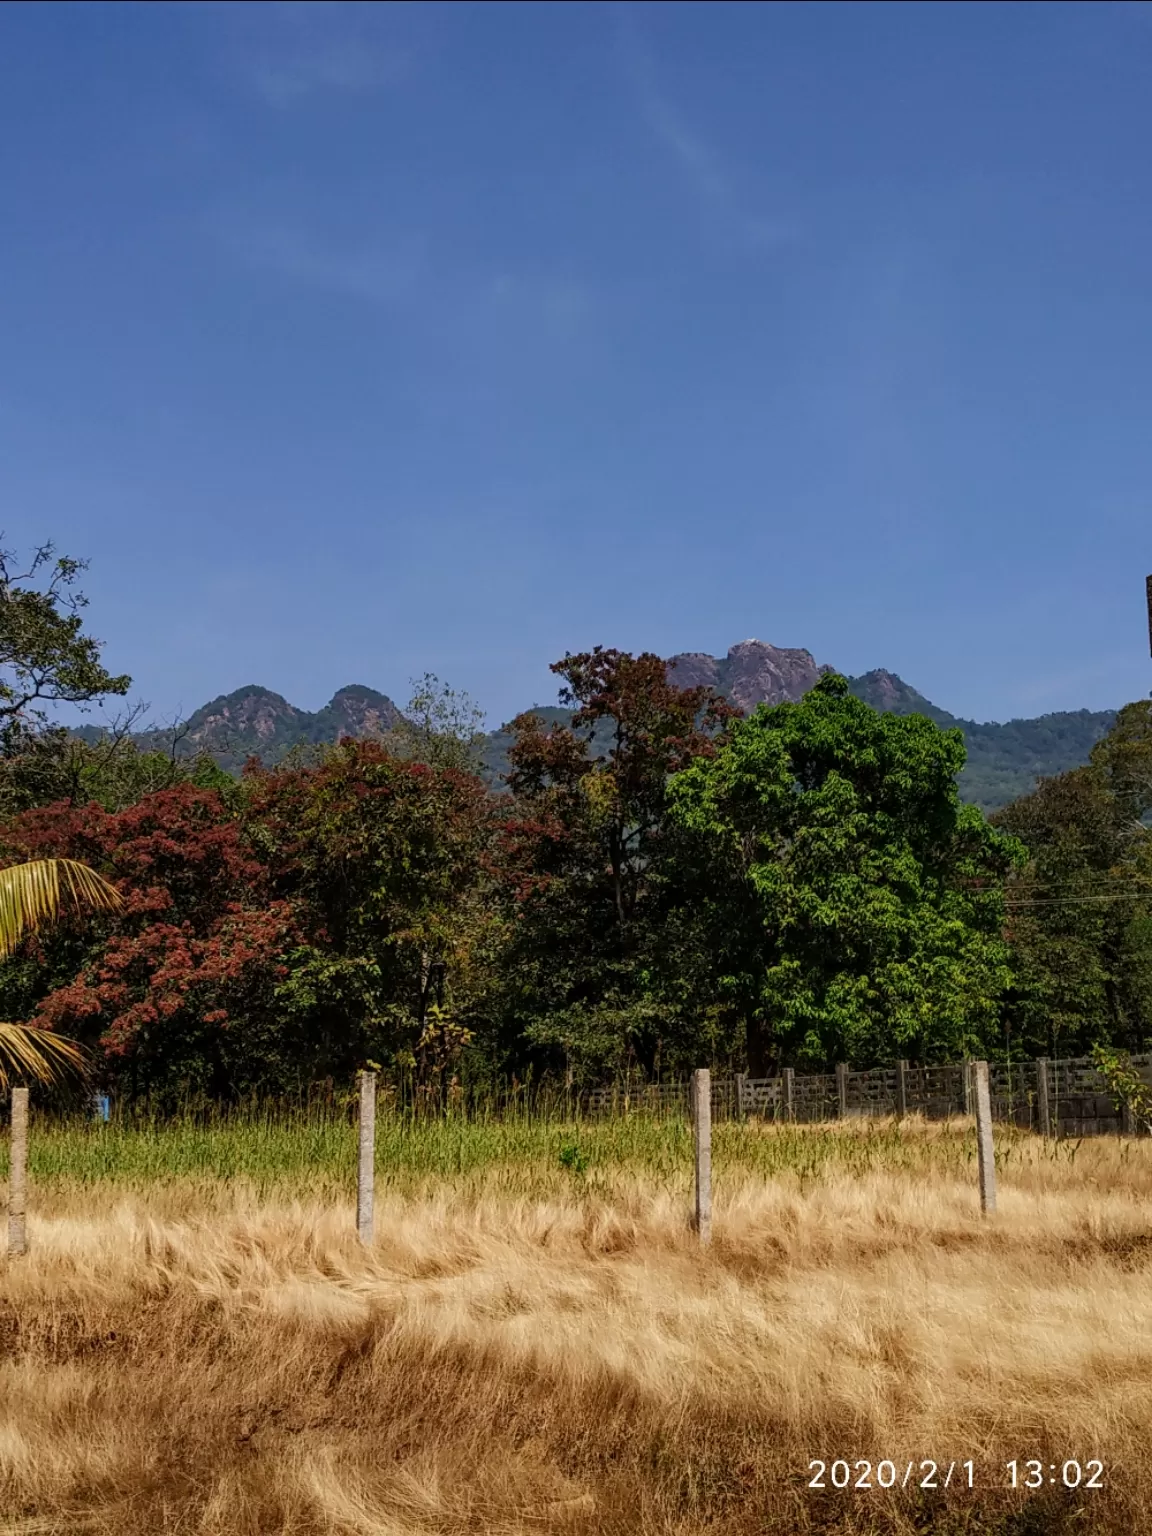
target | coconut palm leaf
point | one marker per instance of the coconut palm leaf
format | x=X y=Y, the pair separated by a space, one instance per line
x=30 y=896
x=36 y=1054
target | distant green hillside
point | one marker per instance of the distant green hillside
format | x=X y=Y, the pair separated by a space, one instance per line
x=1004 y=761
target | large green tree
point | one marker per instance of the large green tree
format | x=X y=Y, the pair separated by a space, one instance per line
x=856 y=906
x=45 y=656
x=1081 y=909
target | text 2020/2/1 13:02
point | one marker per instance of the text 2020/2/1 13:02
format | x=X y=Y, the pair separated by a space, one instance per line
x=866 y=1475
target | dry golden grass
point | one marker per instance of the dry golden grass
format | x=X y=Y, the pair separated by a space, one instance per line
x=190 y=1357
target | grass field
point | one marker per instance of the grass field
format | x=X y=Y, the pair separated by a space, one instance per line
x=197 y=1343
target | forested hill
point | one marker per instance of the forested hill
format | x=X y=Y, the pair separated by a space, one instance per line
x=1004 y=760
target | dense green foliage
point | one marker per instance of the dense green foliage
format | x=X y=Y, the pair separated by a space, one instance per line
x=657 y=882
x=856 y=907
x=45 y=656
x=1081 y=912
x=662 y=882
x=601 y=962
x=50 y=764
x=1003 y=760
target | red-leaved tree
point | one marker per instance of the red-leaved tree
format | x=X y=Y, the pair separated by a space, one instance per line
x=588 y=965
x=312 y=920
x=178 y=987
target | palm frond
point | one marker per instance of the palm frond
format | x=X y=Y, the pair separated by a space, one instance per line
x=38 y=1054
x=30 y=896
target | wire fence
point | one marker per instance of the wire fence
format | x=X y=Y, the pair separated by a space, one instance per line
x=1067 y=1097
x=1060 y=1097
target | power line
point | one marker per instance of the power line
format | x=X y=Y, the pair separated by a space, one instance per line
x=1063 y=901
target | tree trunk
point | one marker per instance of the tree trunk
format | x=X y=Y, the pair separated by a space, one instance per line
x=616 y=860
x=759 y=1041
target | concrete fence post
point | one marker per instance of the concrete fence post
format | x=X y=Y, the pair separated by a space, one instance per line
x=18 y=1175
x=366 y=1181
x=842 y=1087
x=984 y=1150
x=901 y=1088
x=1043 y=1104
x=789 y=1093
x=702 y=1138
x=741 y=1093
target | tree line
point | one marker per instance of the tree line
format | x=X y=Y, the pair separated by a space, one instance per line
x=662 y=882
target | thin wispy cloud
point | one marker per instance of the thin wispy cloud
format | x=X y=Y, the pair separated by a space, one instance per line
x=287 y=53
x=706 y=171
x=339 y=66
x=386 y=269
x=669 y=127
x=558 y=305
x=379 y=270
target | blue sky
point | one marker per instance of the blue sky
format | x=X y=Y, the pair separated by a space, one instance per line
x=351 y=342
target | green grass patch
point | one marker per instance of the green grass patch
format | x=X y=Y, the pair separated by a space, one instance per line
x=302 y=1151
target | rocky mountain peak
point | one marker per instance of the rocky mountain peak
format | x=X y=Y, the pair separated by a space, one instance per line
x=357 y=710
x=758 y=673
x=254 y=721
x=753 y=672
x=885 y=690
x=252 y=712
x=694 y=669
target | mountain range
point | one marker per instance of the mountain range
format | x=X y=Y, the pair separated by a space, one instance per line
x=1004 y=760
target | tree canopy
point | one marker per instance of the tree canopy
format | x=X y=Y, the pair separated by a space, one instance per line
x=660 y=882
x=1080 y=912
x=857 y=905
x=45 y=656
x=588 y=968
